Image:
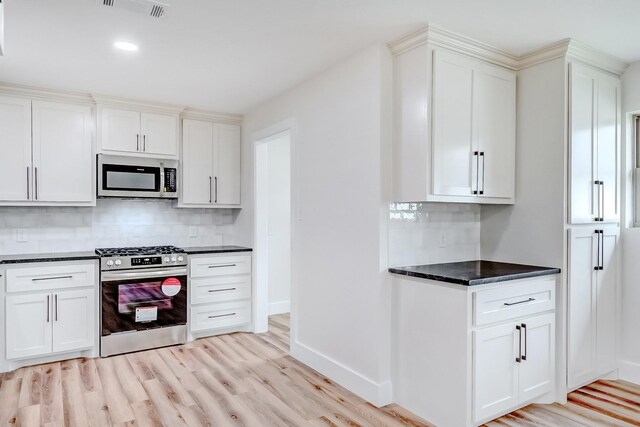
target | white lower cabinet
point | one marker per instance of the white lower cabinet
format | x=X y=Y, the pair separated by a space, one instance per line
x=482 y=350
x=513 y=363
x=47 y=318
x=220 y=293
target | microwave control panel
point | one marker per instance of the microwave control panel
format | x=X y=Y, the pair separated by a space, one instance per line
x=170 y=178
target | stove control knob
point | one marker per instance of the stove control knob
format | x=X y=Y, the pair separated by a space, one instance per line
x=117 y=262
x=173 y=259
x=166 y=259
x=109 y=263
x=180 y=258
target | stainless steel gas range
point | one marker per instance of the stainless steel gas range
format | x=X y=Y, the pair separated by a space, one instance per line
x=143 y=298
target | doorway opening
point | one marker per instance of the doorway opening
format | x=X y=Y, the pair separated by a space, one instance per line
x=273 y=230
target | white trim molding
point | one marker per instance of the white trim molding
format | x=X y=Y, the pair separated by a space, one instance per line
x=568 y=48
x=53 y=95
x=629 y=371
x=378 y=394
x=137 y=105
x=279 y=307
x=209 y=116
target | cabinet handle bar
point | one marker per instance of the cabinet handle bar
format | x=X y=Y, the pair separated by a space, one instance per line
x=519 y=302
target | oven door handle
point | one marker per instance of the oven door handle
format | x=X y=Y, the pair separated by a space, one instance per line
x=124 y=275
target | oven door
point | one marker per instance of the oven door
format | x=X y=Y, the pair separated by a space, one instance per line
x=143 y=300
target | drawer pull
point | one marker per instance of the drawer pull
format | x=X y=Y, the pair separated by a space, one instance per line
x=51 y=278
x=221 y=290
x=222 y=265
x=519 y=302
x=222 y=315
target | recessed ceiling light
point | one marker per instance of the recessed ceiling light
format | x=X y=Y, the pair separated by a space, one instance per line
x=128 y=46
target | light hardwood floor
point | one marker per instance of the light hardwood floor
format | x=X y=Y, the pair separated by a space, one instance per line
x=244 y=380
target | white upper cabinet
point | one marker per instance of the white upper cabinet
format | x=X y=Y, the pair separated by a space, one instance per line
x=48 y=153
x=63 y=162
x=210 y=164
x=15 y=144
x=594 y=131
x=135 y=133
x=454 y=128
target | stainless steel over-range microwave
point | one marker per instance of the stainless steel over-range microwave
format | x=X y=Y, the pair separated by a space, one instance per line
x=137 y=177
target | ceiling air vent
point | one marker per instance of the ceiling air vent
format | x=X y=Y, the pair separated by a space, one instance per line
x=152 y=8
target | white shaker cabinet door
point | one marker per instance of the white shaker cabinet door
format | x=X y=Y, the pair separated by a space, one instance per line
x=120 y=130
x=197 y=162
x=62 y=153
x=495 y=371
x=28 y=327
x=454 y=162
x=73 y=320
x=16 y=173
x=159 y=134
x=536 y=371
x=227 y=164
x=582 y=319
x=495 y=93
x=606 y=303
x=608 y=130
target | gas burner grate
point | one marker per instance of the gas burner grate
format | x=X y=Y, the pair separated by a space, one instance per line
x=143 y=250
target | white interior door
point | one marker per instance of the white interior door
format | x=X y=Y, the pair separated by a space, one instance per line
x=159 y=134
x=62 y=152
x=583 y=206
x=454 y=165
x=495 y=96
x=120 y=130
x=227 y=164
x=197 y=162
x=28 y=326
x=608 y=120
x=536 y=372
x=73 y=320
x=582 y=320
x=495 y=371
x=16 y=173
x=607 y=285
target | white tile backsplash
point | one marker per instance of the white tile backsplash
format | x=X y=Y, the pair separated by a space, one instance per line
x=416 y=231
x=112 y=222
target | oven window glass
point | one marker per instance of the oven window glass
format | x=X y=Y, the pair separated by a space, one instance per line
x=130 y=178
x=142 y=304
x=135 y=295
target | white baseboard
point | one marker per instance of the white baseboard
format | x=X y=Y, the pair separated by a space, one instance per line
x=630 y=371
x=379 y=394
x=279 y=307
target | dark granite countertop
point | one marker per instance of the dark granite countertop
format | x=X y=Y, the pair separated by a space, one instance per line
x=215 y=249
x=48 y=257
x=470 y=273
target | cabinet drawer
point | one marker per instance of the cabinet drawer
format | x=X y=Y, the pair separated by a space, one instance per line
x=506 y=303
x=220 y=288
x=50 y=277
x=220 y=315
x=220 y=266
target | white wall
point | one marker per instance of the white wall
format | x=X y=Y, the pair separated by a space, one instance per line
x=112 y=223
x=630 y=241
x=279 y=224
x=341 y=146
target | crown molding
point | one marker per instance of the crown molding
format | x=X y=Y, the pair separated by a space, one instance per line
x=574 y=49
x=195 y=114
x=45 y=94
x=436 y=36
x=567 y=48
x=136 y=104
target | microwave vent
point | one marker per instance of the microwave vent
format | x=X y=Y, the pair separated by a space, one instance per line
x=152 y=8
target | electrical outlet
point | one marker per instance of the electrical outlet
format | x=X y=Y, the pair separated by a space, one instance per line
x=443 y=239
x=193 y=231
x=21 y=235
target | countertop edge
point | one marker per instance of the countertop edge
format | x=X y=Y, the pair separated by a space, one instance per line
x=475 y=282
x=36 y=259
x=215 y=251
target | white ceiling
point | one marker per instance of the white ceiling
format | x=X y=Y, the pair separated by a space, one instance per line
x=232 y=55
